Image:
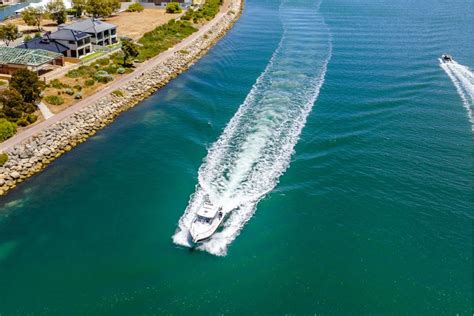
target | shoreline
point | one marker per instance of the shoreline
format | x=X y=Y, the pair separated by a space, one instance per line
x=32 y=150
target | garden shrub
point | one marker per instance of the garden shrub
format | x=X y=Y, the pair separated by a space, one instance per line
x=118 y=93
x=69 y=91
x=121 y=70
x=31 y=118
x=54 y=99
x=82 y=71
x=7 y=129
x=22 y=122
x=3 y=158
x=135 y=7
x=173 y=7
x=56 y=84
x=111 y=69
x=78 y=96
x=103 y=61
x=103 y=76
x=89 y=82
x=105 y=79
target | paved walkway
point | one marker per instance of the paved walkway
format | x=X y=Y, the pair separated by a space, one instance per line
x=45 y=111
x=18 y=138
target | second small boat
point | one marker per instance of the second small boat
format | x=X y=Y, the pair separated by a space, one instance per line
x=446 y=58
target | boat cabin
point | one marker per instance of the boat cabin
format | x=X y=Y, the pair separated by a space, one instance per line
x=207 y=212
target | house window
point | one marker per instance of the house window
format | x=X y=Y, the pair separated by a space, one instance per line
x=71 y=42
x=81 y=52
x=73 y=53
x=88 y=49
x=113 y=31
x=88 y=40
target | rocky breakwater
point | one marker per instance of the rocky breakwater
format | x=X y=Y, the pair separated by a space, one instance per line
x=35 y=153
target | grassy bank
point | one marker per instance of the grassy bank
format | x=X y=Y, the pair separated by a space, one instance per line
x=164 y=37
x=207 y=12
x=168 y=35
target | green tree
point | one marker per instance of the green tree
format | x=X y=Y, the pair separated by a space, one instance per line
x=28 y=84
x=56 y=11
x=33 y=16
x=11 y=104
x=79 y=6
x=102 y=7
x=130 y=51
x=8 y=33
x=173 y=7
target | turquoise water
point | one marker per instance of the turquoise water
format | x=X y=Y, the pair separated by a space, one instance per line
x=372 y=215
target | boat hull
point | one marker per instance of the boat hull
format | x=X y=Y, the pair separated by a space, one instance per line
x=199 y=234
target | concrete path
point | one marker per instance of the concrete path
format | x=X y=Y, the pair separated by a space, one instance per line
x=18 y=138
x=45 y=110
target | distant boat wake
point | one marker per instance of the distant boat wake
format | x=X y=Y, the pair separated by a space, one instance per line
x=255 y=148
x=463 y=79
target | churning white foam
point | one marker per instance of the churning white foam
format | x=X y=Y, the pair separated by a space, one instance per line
x=256 y=146
x=463 y=79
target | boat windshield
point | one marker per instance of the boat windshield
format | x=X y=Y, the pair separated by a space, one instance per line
x=204 y=220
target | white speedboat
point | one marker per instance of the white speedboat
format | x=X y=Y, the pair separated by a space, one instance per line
x=207 y=220
x=446 y=58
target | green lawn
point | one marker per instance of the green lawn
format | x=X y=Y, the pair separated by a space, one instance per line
x=91 y=56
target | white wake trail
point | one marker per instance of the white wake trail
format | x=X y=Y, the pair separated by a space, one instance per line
x=255 y=148
x=463 y=80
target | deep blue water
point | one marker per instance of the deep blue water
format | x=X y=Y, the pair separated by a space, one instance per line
x=372 y=216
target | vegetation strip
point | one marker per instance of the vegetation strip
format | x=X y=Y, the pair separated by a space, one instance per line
x=35 y=152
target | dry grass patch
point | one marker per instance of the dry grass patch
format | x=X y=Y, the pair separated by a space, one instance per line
x=46 y=25
x=135 y=24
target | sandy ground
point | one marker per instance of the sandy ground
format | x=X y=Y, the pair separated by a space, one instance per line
x=134 y=24
x=46 y=25
x=131 y=24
